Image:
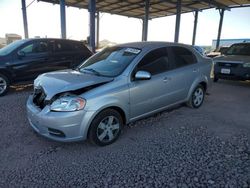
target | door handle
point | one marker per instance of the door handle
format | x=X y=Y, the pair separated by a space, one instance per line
x=195 y=70
x=166 y=79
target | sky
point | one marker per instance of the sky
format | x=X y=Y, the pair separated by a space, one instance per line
x=44 y=21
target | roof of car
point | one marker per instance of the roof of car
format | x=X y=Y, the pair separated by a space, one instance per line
x=151 y=44
x=33 y=39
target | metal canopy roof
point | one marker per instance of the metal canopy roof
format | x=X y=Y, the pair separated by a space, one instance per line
x=158 y=8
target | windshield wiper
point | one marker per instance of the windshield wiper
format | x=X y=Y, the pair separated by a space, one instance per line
x=92 y=70
x=75 y=68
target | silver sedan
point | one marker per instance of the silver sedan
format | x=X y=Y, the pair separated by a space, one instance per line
x=118 y=85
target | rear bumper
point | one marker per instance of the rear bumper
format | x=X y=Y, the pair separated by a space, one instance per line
x=59 y=126
x=236 y=73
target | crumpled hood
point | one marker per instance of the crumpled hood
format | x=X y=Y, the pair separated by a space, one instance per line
x=67 y=80
x=233 y=58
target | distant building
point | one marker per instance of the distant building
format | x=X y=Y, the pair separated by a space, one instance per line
x=228 y=42
x=10 y=37
x=2 y=42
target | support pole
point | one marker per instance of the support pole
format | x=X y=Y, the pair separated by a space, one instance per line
x=145 y=22
x=178 y=21
x=92 y=10
x=195 y=26
x=221 y=11
x=63 y=19
x=25 y=22
x=97 y=28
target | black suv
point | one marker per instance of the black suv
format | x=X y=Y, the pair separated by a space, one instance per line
x=24 y=60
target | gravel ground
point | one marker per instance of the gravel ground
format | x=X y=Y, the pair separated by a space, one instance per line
x=182 y=147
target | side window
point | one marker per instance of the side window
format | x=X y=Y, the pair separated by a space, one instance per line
x=155 y=62
x=77 y=46
x=62 y=46
x=37 y=47
x=183 y=56
x=40 y=47
x=28 y=49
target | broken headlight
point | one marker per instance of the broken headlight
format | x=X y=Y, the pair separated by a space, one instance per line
x=68 y=104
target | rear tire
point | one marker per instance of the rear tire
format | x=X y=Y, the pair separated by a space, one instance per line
x=105 y=128
x=4 y=84
x=197 y=97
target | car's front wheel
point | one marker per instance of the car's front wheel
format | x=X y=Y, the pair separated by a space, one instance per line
x=4 y=84
x=106 y=127
x=216 y=78
x=197 y=97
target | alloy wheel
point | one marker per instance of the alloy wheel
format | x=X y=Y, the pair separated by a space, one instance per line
x=108 y=129
x=3 y=85
x=198 y=97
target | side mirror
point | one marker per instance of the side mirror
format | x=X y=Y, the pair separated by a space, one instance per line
x=21 y=53
x=142 y=75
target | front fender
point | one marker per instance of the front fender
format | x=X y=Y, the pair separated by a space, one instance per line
x=104 y=102
x=100 y=105
x=6 y=73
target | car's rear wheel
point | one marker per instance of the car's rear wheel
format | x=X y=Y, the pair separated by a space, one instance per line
x=4 y=84
x=106 y=127
x=197 y=97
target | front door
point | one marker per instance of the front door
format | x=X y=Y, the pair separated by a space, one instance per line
x=149 y=95
x=32 y=60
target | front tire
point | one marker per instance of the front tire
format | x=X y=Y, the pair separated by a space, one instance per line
x=105 y=128
x=197 y=97
x=4 y=85
x=216 y=79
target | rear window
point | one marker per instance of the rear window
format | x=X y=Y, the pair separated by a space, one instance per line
x=78 y=46
x=155 y=62
x=63 y=46
x=183 y=56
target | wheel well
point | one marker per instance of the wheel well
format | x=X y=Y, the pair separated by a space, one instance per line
x=5 y=73
x=121 y=112
x=204 y=84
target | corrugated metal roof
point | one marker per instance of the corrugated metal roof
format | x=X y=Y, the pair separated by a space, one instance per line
x=158 y=8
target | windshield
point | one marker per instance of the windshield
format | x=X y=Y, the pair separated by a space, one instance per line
x=110 y=62
x=239 y=49
x=12 y=46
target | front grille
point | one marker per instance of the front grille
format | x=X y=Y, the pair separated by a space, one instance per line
x=55 y=132
x=39 y=97
x=226 y=64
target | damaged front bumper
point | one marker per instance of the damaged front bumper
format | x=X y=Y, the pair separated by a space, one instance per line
x=59 y=126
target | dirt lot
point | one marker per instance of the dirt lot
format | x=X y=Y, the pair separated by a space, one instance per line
x=183 y=147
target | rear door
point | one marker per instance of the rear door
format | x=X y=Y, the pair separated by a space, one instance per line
x=184 y=73
x=62 y=54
